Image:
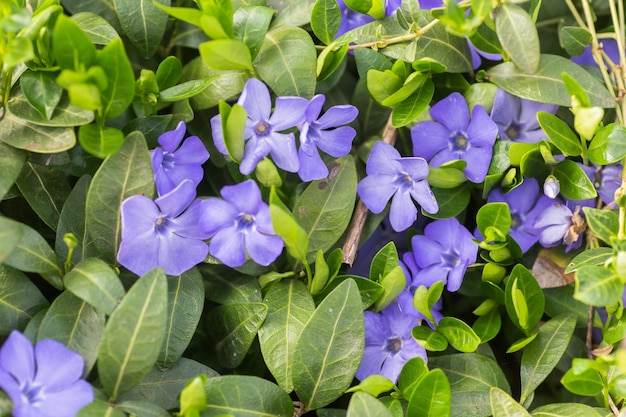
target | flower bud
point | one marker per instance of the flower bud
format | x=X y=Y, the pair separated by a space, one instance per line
x=551 y=187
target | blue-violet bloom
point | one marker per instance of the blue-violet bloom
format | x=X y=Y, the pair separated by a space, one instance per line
x=453 y=135
x=389 y=175
x=263 y=127
x=327 y=133
x=610 y=181
x=517 y=117
x=443 y=253
x=388 y=343
x=43 y=381
x=561 y=223
x=173 y=163
x=609 y=46
x=168 y=232
x=240 y=224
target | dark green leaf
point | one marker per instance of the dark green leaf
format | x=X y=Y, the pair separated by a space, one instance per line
x=560 y=134
x=142 y=409
x=151 y=127
x=503 y=405
x=488 y=326
x=102 y=8
x=597 y=286
x=99 y=31
x=95 y=282
x=11 y=163
x=120 y=77
x=367 y=59
x=223 y=85
x=608 y=145
x=20 y=299
x=592 y=256
x=603 y=223
x=560 y=300
x=575 y=185
x=412 y=371
x=431 y=396
x=65 y=114
x=168 y=72
x=575 y=39
x=369 y=290
x=325 y=20
x=100 y=141
x=451 y=201
x=41 y=139
x=494 y=221
x=228 y=287
x=100 y=408
x=143 y=22
x=384 y=261
x=365 y=405
x=329 y=60
x=408 y=110
x=41 y=91
x=251 y=24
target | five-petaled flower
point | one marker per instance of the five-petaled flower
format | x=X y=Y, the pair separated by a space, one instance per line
x=443 y=253
x=239 y=224
x=173 y=163
x=44 y=380
x=326 y=133
x=453 y=135
x=390 y=175
x=168 y=232
x=263 y=128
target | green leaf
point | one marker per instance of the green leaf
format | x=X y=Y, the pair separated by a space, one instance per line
x=233 y=328
x=384 y=262
x=95 y=282
x=41 y=91
x=494 y=221
x=560 y=300
x=111 y=185
x=412 y=371
x=597 y=286
x=367 y=59
x=546 y=84
x=369 y=290
x=120 y=88
x=471 y=377
x=183 y=91
x=233 y=129
x=325 y=20
x=100 y=408
x=324 y=208
x=99 y=31
x=328 y=352
x=542 y=354
x=133 y=335
x=288 y=228
x=286 y=62
x=431 y=396
x=408 y=110
x=603 y=223
x=100 y=141
x=365 y=405
x=488 y=326
x=185 y=302
x=591 y=256
x=76 y=324
x=244 y=395
x=226 y=54
x=72 y=48
x=393 y=284
x=101 y=8
x=451 y=201
x=575 y=185
x=503 y=405
x=575 y=39
x=329 y=60
x=588 y=382
x=382 y=84
x=560 y=134
x=20 y=299
x=459 y=334
x=518 y=36
x=566 y=410
x=65 y=114
x=21 y=134
x=11 y=163
x=290 y=306
x=521 y=343
x=143 y=22
x=608 y=145
x=142 y=409
x=528 y=295
x=251 y=24
x=168 y=72
x=374 y=385
x=429 y=339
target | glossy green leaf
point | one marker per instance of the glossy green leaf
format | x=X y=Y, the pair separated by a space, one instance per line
x=329 y=349
x=100 y=141
x=597 y=286
x=603 y=223
x=431 y=396
x=546 y=84
x=95 y=282
x=382 y=84
x=325 y=206
x=72 y=48
x=325 y=20
x=608 y=145
x=151 y=127
x=288 y=228
x=412 y=371
x=168 y=72
x=560 y=134
x=286 y=62
x=471 y=378
x=374 y=385
x=225 y=286
x=290 y=306
x=502 y=404
x=183 y=91
x=102 y=8
x=588 y=382
x=393 y=283
x=293 y=13
x=488 y=326
x=429 y=339
x=575 y=185
x=118 y=94
x=100 y=408
x=76 y=324
x=21 y=134
x=385 y=260
x=494 y=221
x=518 y=37
x=575 y=39
x=408 y=110
x=233 y=328
x=542 y=354
x=521 y=343
x=461 y=336
x=133 y=334
x=329 y=60
x=528 y=294
x=99 y=31
x=369 y=290
x=591 y=256
x=251 y=24
x=20 y=299
x=11 y=163
x=566 y=410
x=41 y=91
x=143 y=22
x=65 y=114
x=425 y=299
x=111 y=185
x=233 y=129
x=451 y=201
x=367 y=59
x=244 y=395
x=10 y=237
x=365 y=405
x=185 y=302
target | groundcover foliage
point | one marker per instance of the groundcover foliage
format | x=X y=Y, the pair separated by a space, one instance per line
x=330 y=207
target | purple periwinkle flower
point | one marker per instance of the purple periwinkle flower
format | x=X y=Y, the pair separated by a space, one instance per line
x=561 y=223
x=327 y=133
x=610 y=181
x=263 y=128
x=609 y=46
x=168 y=232
x=453 y=135
x=173 y=163
x=240 y=224
x=517 y=117
x=443 y=253
x=389 y=176
x=44 y=380
x=388 y=343
x=526 y=202
x=405 y=299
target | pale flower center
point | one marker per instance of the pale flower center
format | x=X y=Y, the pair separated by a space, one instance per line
x=393 y=345
x=262 y=128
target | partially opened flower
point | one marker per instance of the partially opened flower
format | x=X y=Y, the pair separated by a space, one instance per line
x=453 y=135
x=240 y=224
x=390 y=176
x=388 y=343
x=442 y=253
x=561 y=223
x=43 y=381
x=173 y=163
x=263 y=128
x=517 y=118
x=327 y=133
x=168 y=232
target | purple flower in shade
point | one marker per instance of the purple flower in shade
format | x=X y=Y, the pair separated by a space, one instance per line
x=43 y=381
x=326 y=133
x=454 y=136
x=389 y=175
x=173 y=163
x=168 y=232
x=517 y=118
x=263 y=127
x=351 y=19
x=240 y=223
x=610 y=181
x=443 y=253
x=526 y=202
x=561 y=223
x=388 y=343
x=609 y=46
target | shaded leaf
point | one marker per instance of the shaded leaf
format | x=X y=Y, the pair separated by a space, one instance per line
x=11 y=162
x=120 y=88
x=97 y=28
x=143 y=22
x=20 y=300
x=41 y=139
x=95 y=282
